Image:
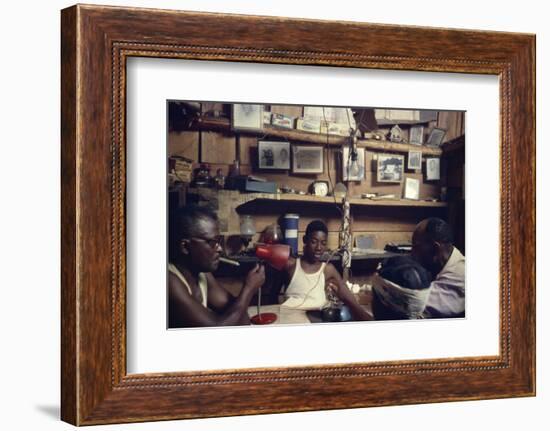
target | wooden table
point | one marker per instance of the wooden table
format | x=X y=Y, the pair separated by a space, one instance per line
x=292 y=316
x=284 y=315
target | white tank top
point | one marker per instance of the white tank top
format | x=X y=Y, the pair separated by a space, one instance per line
x=203 y=286
x=306 y=291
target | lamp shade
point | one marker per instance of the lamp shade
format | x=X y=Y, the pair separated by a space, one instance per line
x=275 y=254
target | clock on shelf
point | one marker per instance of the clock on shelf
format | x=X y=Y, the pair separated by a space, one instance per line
x=319 y=188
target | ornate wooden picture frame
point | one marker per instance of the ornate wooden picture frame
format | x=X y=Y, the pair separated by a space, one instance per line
x=96 y=42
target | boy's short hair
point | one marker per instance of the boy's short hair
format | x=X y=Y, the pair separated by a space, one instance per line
x=316 y=226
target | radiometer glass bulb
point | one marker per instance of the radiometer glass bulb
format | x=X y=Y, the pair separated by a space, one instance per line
x=354 y=169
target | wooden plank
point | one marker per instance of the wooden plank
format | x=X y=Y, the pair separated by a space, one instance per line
x=224 y=125
x=383 y=238
x=332 y=223
x=248 y=150
x=452 y=122
x=208 y=108
x=359 y=202
x=184 y=144
x=290 y=110
x=428 y=190
x=217 y=148
x=70 y=402
x=364 y=223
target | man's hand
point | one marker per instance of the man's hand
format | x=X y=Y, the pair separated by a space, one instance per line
x=256 y=277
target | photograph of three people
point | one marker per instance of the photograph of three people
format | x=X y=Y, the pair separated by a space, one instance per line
x=296 y=214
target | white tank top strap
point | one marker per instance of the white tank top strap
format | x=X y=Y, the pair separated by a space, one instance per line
x=203 y=283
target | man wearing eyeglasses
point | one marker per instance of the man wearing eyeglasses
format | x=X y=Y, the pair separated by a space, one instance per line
x=194 y=296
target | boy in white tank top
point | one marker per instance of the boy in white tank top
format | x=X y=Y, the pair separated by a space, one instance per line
x=307 y=275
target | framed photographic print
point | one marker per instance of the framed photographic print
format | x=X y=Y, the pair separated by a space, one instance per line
x=307 y=159
x=416 y=135
x=273 y=155
x=327 y=114
x=247 y=116
x=412 y=188
x=435 y=139
x=284 y=121
x=432 y=169
x=119 y=68
x=353 y=170
x=414 y=160
x=390 y=168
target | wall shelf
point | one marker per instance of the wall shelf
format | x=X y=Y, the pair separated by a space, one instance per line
x=330 y=200
x=224 y=125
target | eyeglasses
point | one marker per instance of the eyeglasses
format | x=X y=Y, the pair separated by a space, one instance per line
x=212 y=242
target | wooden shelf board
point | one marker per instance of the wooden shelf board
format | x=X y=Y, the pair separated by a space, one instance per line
x=398 y=203
x=353 y=201
x=382 y=122
x=224 y=125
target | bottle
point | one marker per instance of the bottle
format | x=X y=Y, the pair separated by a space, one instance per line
x=234 y=169
x=219 y=179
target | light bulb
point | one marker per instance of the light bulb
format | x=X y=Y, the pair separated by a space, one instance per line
x=354 y=169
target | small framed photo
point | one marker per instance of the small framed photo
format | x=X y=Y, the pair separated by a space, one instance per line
x=412 y=188
x=247 y=116
x=273 y=155
x=414 y=160
x=416 y=135
x=353 y=171
x=283 y=121
x=432 y=169
x=390 y=168
x=307 y=159
x=436 y=137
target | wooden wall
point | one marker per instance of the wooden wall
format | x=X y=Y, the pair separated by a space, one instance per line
x=384 y=224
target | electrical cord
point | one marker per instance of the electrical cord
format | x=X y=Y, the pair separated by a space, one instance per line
x=328 y=293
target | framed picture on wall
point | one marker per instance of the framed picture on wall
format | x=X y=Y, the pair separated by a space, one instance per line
x=435 y=139
x=414 y=160
x=412 y=188
x=247 y=116
x=390 y=168
x=432 y=169
x=273 y=155
x=307 y=159
x=416 y=135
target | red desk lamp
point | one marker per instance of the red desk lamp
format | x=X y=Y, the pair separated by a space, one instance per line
x=277 y=256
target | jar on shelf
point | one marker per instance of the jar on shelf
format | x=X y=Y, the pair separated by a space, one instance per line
x=234 y=169
x=202 y=176
x=248 y=229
